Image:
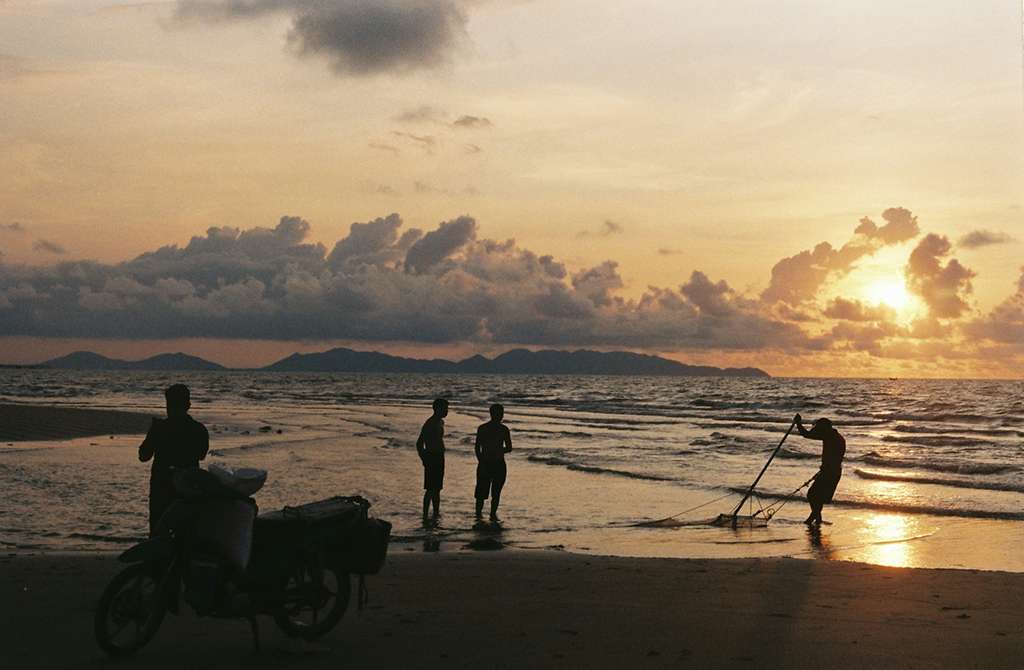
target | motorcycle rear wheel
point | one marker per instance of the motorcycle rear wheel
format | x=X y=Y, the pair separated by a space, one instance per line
x=130 y=611
x=315 y=601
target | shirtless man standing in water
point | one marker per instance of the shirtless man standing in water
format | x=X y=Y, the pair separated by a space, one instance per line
x=833 y=448
x=430 y=447
x=493 y=441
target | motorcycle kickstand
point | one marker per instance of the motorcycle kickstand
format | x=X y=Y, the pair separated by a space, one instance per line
x=255 y=627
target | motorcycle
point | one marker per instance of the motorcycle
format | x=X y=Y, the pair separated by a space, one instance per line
x=214 y=553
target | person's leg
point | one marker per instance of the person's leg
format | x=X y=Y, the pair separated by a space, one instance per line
x=426 y=503
x=436 y=498
x=483 y=484
x=497 y=483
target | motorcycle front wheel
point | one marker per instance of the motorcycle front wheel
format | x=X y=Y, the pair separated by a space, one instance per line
x=315 y=599
x=130 y=611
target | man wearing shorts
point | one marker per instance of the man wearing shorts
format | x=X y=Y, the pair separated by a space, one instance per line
x=833 y=448
x=493 y=441
x=430 y=447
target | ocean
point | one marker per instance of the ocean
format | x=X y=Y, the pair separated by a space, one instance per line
x=933 y=477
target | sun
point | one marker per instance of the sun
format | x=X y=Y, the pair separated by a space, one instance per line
x=890 y=292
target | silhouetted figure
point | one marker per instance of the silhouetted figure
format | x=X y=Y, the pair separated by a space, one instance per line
x=833 y=448
x=430 y=447
x=493 y=441
x=179 y=441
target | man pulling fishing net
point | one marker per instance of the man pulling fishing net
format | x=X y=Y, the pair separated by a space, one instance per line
x=833 y=448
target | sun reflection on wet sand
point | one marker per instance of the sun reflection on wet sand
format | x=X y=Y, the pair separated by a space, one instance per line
x=892 y=547
x=880 y=538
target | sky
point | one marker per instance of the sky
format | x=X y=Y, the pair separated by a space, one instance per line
x=825 y=189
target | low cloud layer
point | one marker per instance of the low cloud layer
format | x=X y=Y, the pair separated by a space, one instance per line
x=386 y=282
x=381 y=282
x=356 y=37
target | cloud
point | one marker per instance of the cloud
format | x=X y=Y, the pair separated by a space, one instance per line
x=854 y=310
x=797 y=278
x=900 y=226
x=983 y=238
x=367 y=243
x=14 y=227
x=422 y=114
x=356 y=37
x=1005 y=323
x=437 y=245
x=48 y=247
x=469 y=122
x=381 y=282
x=942 y=287
x=380 y=146
x=666 y=251
x=608 y=227
x=425 y=142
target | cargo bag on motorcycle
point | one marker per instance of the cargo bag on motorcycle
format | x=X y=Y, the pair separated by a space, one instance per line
x=358 y=543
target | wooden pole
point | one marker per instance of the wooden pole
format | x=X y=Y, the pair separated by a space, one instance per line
x=761 y=474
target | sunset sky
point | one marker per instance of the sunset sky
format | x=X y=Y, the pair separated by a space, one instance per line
x=814 y=188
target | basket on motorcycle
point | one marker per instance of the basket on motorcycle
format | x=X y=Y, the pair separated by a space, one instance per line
x=369 y=547
x=327 y=522
x=339 y=525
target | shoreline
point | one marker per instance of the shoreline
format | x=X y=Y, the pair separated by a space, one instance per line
x=519 y=608
x=359 y=450
x=25 y=422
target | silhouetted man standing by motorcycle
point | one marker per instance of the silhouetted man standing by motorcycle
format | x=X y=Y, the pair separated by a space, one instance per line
x=179 y=441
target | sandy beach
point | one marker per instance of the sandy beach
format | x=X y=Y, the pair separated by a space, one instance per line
x=518 y=609
x=25 y=423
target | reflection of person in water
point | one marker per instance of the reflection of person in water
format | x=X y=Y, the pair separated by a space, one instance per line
x=493 y=441
x=179 y=441
x=833 y=448
x=430 y=447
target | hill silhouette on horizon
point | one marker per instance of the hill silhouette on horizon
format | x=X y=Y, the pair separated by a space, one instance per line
x=515 y=361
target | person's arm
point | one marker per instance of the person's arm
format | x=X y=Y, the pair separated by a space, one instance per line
x=799 y=421
x=148 y=447
x=204 y=442
x=477 y=447
x=508 y=439
x=421 y=442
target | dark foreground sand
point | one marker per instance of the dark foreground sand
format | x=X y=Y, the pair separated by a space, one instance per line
x=516 y=609
x=19 y=423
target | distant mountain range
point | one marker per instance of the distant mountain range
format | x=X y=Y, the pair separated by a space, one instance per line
x=516 y=361
x=87 y=360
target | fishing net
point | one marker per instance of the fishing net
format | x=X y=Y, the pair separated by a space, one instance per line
x=740 y=521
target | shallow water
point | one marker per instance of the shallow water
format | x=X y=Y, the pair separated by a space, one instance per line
x=934 y=474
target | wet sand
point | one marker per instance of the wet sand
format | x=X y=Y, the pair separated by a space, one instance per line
x=24 y=423
x=520 y=609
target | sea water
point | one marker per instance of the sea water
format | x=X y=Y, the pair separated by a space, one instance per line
x=934 y=470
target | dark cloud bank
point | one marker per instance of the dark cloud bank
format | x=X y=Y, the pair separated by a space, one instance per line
x=386 y=282
x=378 y=283
x=356 y=37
